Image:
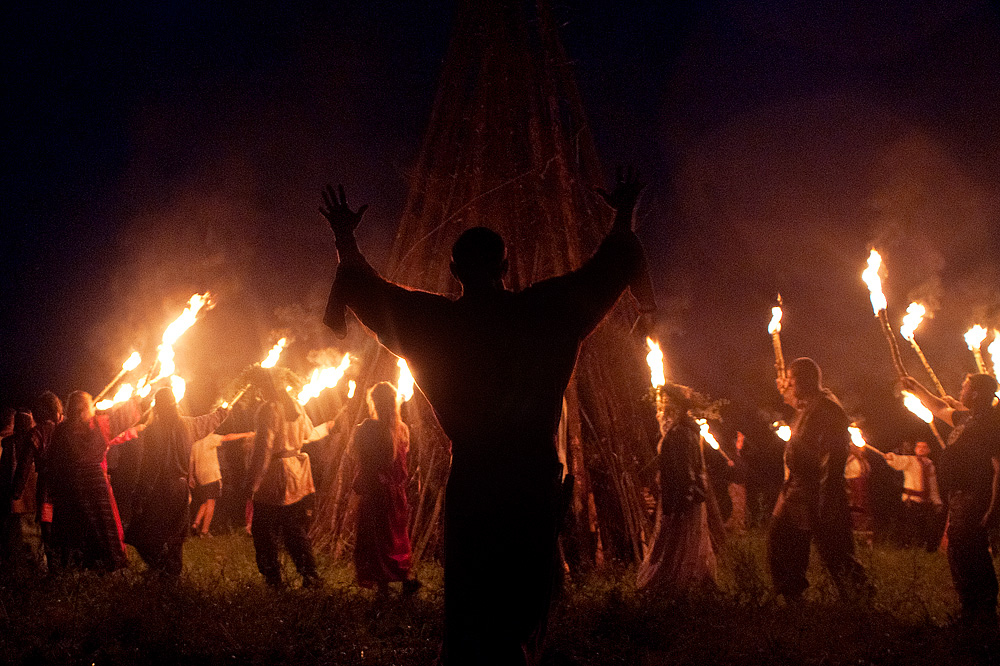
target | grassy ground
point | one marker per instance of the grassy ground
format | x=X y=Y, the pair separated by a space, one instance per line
x=221 y=613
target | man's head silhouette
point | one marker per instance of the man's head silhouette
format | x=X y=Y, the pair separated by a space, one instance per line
x=479 y=259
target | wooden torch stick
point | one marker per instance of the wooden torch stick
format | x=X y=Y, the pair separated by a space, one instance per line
x=111 y=384
x=927 y=367
x=890 y=337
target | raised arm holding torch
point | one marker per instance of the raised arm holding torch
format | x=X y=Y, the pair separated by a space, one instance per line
x=858 y=440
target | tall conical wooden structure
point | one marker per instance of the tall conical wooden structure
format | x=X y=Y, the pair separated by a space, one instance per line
x=508 y=147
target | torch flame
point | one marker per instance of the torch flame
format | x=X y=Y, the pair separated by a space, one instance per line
x=874 y=282
x=132 y=362
x=177 y=386
x=857 y=439
x=654 y=359
x=783 y=431
x=323 y=378
x=404 y=390
x=912 y=403
x=707 y=434
x=123 y=393
x=351 y=388
x=974 y=337
x=144 y=388
x=914 y=315
x=272 y=356
x=775 y=325
x=165 y=352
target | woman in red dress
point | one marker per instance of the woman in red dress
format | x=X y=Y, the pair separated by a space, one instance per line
x=382 y=551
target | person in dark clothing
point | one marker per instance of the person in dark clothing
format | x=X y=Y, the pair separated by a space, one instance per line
x=85 y=517
x=48 y=413
x=494 y=365
x=160 y=506
x=13 y=511
x=969 y=475
x=813 y=504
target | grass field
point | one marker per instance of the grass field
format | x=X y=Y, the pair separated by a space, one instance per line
x=221 y=613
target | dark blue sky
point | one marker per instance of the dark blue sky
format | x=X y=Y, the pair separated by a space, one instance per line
x=163 y=148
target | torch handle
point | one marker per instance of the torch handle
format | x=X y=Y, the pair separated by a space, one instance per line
x=779 y=357
x=980 y=363
x=890 y=337
x=927 y=367
x=104 y=391
x=872 y=448
x=938 y=435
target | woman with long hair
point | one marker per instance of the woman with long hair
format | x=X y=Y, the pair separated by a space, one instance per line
x=382 y=550
x=85 y=517
x=159 y=522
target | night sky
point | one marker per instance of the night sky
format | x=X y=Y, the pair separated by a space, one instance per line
x=167 y=148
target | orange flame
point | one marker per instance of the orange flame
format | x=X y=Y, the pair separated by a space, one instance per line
x=707 y=434
x=912 y=403
x=775 y=325
x=974 y=337
x=657 y=376
x=874 y=282
x=352 y=386
x=272 y=356
x=178 y=386
x=323 y=378
x=132 y=362
x=783 y=431
x=173 y=332
x=404 y=388
x=857 y=438
x=914 y=315
x=123 y=393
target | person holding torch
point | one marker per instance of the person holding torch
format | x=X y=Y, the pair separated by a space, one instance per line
x=969 y=475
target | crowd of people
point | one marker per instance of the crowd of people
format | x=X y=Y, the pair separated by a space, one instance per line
x=494 y=364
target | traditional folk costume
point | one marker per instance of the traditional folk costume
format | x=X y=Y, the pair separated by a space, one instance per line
x=921 y=500
x=283 y=494
x=813 y=503
x=494 y=367
x=159 y=522
x=681 y=556
x=85 y=516
x=382 y=547
x=966 y=475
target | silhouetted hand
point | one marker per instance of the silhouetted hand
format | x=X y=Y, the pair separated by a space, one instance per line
x=342 y=219
x=625 y=194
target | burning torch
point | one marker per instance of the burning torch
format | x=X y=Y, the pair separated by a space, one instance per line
x=914 y=315
x=974 y=339
x=774 y=328
x=131 y=363
x=874 y=282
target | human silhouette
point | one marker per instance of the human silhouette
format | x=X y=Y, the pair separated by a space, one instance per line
x=494 y=365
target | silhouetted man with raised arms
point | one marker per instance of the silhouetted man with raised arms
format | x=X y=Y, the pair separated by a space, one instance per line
x=494 y=365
